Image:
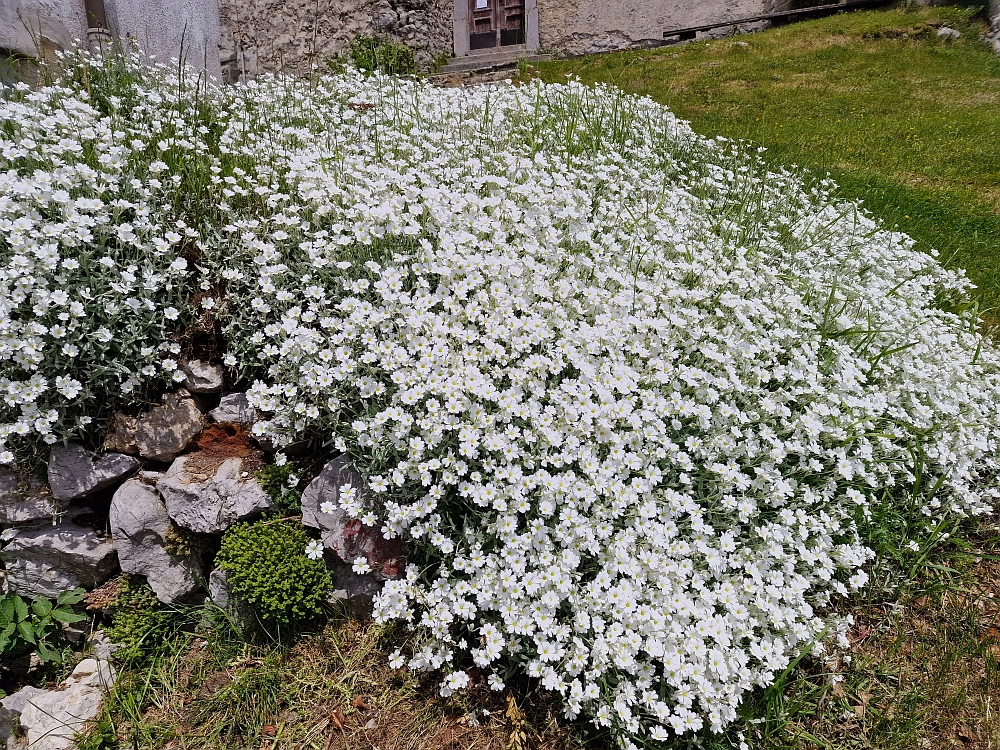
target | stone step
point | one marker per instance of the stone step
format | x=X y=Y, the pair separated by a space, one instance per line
x=472 y=63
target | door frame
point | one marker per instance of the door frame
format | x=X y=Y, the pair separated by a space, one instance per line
x=461 y=28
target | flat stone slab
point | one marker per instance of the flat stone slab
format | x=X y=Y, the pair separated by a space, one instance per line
x=26 y=499
x=72 y=473
x=48 y=560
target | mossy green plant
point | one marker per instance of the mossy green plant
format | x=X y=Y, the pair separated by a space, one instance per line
x=141 y=625
x=268 y=568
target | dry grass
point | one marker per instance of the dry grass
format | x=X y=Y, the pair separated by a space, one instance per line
x=332 y=690
x=922 y=670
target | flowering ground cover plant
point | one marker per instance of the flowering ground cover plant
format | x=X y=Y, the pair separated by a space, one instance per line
x=627 y=392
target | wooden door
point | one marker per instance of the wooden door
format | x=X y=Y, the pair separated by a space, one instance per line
x=495 y=23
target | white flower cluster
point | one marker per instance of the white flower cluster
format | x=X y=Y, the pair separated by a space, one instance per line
x=91 y=275
x=625 y=390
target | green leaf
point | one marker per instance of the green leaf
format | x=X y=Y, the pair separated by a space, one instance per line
x=26 y=631
x=45 y=653
x=67 y=615
x=7 y=608
x=20 y=609
x=73 y=596
x=41 y=607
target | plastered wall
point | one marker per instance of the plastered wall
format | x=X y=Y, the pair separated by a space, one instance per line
x=585 y=26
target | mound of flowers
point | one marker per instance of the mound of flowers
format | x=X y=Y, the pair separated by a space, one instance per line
x=626 y=390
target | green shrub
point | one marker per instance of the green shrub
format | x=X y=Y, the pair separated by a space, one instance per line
x=381 y=54
x=35 y=627
x=274 y=480
x=142 y=625
x=268 y=569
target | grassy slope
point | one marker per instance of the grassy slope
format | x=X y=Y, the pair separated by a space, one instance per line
x=908 y=126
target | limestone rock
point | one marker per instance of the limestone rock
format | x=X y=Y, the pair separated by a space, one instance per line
x=234 y=407
x=72 y=474
x=51 y=719
x=947 y=32
x=347 y=537
x=11 y=708
x=48 y=560
x=166 y=430
x=121 y=435
x=202 y=377
x=210 y=497
x=239 y=612
x=140 y=528
x=24 y=499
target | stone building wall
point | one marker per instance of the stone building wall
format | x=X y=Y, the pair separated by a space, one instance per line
x=292 y=35
x=579 y=27
x=163 y=28
x=170 y=28
x=26 y=24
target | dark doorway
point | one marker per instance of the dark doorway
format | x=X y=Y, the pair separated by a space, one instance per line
x=495 y=23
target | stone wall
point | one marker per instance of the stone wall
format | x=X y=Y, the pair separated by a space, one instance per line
x=168 y=28
x=24 y=24
x=292 y=35
x=579 y=27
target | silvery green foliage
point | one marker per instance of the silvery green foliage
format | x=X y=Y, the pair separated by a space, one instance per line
x=626 y=390
x=90 y=272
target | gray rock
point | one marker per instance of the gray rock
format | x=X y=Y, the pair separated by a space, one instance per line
x=121 y=435
x=949 y=33
x=234 y=407
x=103 y=649
x=73 y=475
x=51 y=720
x=24 y=499
x=210 y=500
x=202 y=377
x=345 y=537
x=140 y=528
x=238 y=611
x=11 y=708
x=166 y=430
x=357 y=591
x=48 y=560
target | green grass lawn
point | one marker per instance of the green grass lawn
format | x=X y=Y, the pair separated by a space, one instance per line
x=910 y=126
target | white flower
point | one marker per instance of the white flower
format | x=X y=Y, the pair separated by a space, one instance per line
x=314 y=549
x=327 y=507
x=7 y=534
x=361 y=566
